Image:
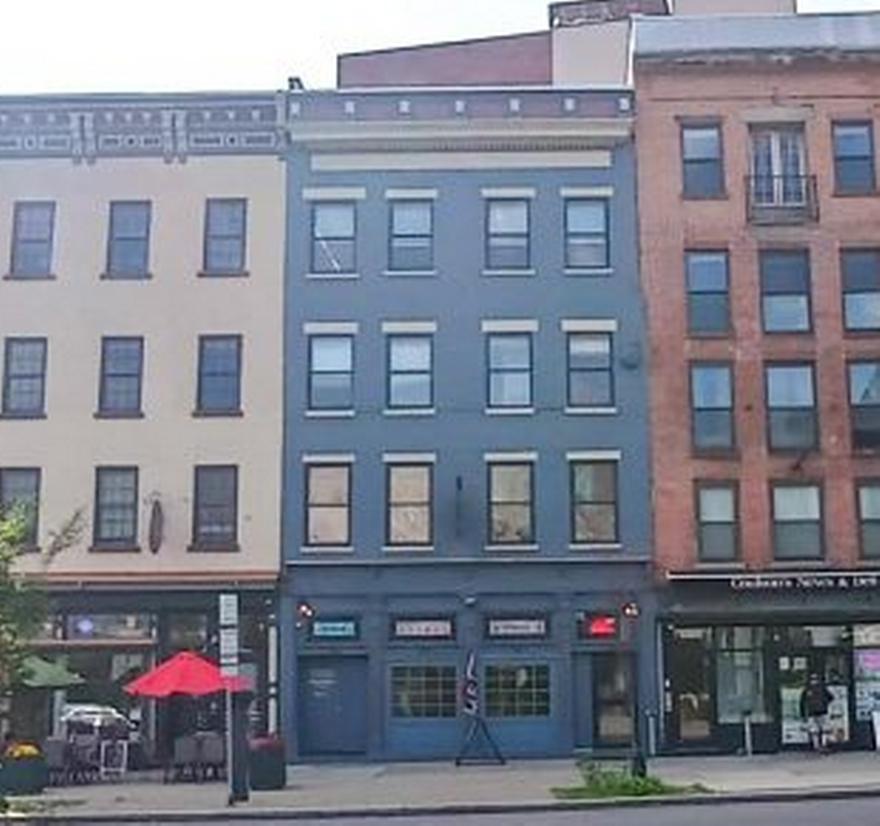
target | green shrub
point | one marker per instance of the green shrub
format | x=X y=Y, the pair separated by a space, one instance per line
x=604 y=781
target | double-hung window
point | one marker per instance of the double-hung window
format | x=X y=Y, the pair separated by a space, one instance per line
x=121 y=370
x=409 y=496
x=702 y=162
x=792 y=422
x=510 y=370
x=853 y=158
x=410 y=371
x=128 y=244
x=20 y=492
x=594 y=506
x=328 y=504
x=785 y=291
x=864 y=404
x=32 y=231
x=712 y=426
x=868 y=501
x=115 y=523
x=590 y=370
x=511 y=503
x=219 y=386
x=333 y=238
x=797 y=521
x=225 y=236
x=717 y=521
x=24 y=377
x=411 y=242
x=586 y=234
x=860 y=274
x=708 y=292
x=331 y=372
x=215 y=508
x=507 y=234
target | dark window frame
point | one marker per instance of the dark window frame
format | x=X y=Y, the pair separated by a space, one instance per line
x=508 y=695
x=866 y=411
x=105 y=410
x=770 y=408
x=695 y=411
x=492 y=371
x=234 y=408
x=200 y=540
x=494 y=502
x=309 y=506
x=575 y=538
x=397 y=239
x=425 y=506
x=30 y=541
x=312 y=373
x=129 y=542
x=17 y=267
x=605 y=370
x=9 y=378
x=391 y=373
x=522 y=238
x=211 y=235
x=842 y=162
x=414 y=696
x=866 y=524
x=862 y=281
x=692 y=293
x=573 y=239
x=777 y=484
x=689 y=189
x=115 y=240
x=770 y=291
x=349 y=241
x=701 y=524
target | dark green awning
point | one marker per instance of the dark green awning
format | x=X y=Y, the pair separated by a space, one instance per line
x=40 y=673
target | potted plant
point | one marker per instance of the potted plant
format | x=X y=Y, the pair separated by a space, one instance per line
x=22 y=769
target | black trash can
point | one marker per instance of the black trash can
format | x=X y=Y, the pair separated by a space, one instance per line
x=268 y=769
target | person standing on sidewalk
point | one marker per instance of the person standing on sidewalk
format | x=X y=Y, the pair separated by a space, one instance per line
x=815 y=700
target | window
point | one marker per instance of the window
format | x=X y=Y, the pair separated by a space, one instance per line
x=797 y=522
x=507 y=234
x=741 y=674
x=511 y=505
x=868 y=498
x=219 y=390
x=593 y=501
x=409 y=493
x=702 y=168
x=860 y=272
x=864 y=404
x=590 y=370
x=708 y=292
x=614 y=695
x=333 y=238
x=778 y=167
x=586 y=234
x=412 y=236
x=424 y=691
x=785 y=291
x=215 y=512
x=121 y=367
x=116 y=513
x=517 y=690
x=128 y=248
x=328 y=505
x=717 y=521
x=791 y=407
x=410 y=371
x=712 y=426
x=331 y=372
x=24 y=378
x=225 y=222
x=853 y=158
x=20 y=489
x=33 y=227
x=510 y=369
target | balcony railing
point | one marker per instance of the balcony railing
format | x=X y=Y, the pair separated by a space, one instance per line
x=781 y=199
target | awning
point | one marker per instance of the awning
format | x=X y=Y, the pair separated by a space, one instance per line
x=40 y=673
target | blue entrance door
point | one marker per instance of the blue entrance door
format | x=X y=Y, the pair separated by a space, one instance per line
x=333 y=705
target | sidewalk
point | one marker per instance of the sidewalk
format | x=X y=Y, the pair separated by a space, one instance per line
x=435 y=787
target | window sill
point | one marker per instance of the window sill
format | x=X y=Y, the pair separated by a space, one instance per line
x=728 y=454
x=589 y=547
x=865 y=452
x=410 y=273
x=591 y=411
x=114 y=548
x=329 y=414
x=223 y=274
x=332 y=276
x=779 y=333
x=861 y=332
x=217 y=414
x=22 y=416
x=129 y=276
x=209 y=548
x=589 y=272
x=37 y=276
x=408 y=549
x=721 y=195
x=862 y=193
x=502 y=548
x=107 y=414
x=795 y=564
x=710 y=335
x=409 y=411
x=510 y=273
x=312 y=550
x=720 y=565
x=510 y=411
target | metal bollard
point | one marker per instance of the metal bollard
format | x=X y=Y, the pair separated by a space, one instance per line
x=652 y=733
x=747 y=733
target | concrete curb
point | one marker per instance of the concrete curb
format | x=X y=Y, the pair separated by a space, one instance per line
x=452 y=809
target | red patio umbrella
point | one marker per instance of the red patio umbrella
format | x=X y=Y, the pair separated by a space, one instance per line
x=184 y=673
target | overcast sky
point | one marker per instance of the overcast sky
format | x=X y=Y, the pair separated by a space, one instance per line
x=166 y=45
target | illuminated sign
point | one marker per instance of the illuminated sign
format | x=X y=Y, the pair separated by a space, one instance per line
x=598 y=626
x=335 y=629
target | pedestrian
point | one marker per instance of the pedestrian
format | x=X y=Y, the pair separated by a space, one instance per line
x=815 y=700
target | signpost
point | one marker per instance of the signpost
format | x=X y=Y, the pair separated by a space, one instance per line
x=228 y=610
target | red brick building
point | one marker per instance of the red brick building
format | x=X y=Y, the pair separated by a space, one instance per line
x=760 y=265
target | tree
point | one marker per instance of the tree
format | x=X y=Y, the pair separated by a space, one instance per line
x=22 y=599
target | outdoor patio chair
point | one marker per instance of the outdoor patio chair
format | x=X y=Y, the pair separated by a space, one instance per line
x=84 y=758
x=57 y=753
x=185 y=760
x=213 y=754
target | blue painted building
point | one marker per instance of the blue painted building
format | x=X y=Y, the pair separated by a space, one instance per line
x=466 y=459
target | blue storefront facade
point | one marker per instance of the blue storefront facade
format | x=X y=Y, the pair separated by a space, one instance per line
x=466 y=455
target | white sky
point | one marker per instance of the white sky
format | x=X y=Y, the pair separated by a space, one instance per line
x=194 y=45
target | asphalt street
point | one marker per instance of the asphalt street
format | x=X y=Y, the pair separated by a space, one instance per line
x=807 y=813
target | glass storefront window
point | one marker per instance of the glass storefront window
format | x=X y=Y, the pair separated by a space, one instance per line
x=739 y=637
x=110 y=626
x=741 y=686
x=517 y=691
x=187 y=632
x=423 y=691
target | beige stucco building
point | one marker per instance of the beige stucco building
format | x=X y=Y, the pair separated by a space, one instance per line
x=142 y=243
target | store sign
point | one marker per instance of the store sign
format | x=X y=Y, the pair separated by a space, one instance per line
x=517 y=627
x=849 y=581
x=597 y=626
x=421 y=629
x=335 y=629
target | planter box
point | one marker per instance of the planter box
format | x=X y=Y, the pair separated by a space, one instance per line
x=268 y=769
x=26 y=776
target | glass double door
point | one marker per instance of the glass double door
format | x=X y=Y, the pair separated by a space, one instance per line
x=689 y=692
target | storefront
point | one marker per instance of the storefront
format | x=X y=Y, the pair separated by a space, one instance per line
x=737 y=651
